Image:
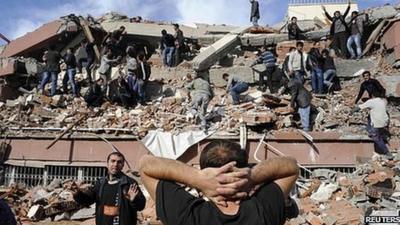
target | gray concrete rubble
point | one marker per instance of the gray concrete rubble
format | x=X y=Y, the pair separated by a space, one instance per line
x=218 y=50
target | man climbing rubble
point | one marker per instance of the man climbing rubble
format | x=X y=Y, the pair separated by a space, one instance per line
x=378 y=121
x=235 y=86
x=369 y=84
x=117 y=196
x=201 y=93
x=107 y=62
x=237 y=193
x=268 y=59
x=301 y=100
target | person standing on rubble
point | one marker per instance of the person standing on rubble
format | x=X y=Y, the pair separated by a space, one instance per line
x=294 y=31
x=296 y=63
x=179 y=44
x=106 y=64
x=378 y=121
x=268 y=59
x=167 y=47
x=143 y=75
x=300 y=100
x=201 y=94
x=70 y=61
x=236 y=193
x=329 y=69
x=314 y=64
x=118 y=197
x=235 y=86
x=255 y=12
x=91 y=56
x=357 y=29
x=52 y=68
x=369 y=84
x=339 y=30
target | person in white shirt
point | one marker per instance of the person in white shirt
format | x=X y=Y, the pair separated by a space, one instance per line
x=378 y=122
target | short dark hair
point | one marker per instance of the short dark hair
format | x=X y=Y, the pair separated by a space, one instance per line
x=299 y=43
x=52 y=47
x=365 y=73
x=354 y=13
x=122 y=27
x=176 y=25
x=220 y=152
x=293 y=18
x=163 y=32
x=72 y=49
x=119 y=154
x=225 y=75
x=291 y=49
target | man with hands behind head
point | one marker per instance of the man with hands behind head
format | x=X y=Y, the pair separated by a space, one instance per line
x=227 y=181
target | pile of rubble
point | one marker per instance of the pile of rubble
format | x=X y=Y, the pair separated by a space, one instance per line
x=54 y=202
x=331 y=197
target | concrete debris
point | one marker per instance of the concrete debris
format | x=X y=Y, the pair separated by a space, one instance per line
x=349 y=196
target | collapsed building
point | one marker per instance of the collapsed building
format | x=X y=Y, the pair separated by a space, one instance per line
x=49 y=141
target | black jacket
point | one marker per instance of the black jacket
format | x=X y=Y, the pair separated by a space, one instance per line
x=127 y=211
x=294 y=32
x=255 y=11
x=300 y=96
x=369 y=86
x=328 y=64
x=70 y=61
x=147 y=71
x=314 y=60
x=341 y=18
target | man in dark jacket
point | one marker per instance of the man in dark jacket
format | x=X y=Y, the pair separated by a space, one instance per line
x=70 y=61
x=179 y=44
x=295 y=33
x=117 y=196
x=52 y=60
x=301 y=99
x=339 y=30
x=255 y=12
x=143 y=75
x=370 y=85
x=167 y=46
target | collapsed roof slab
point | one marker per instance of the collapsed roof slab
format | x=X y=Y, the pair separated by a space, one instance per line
x=33 y=40
x=206 y=34
x=218 y=50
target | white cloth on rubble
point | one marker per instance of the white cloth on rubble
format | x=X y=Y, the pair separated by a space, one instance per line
x=172 y=146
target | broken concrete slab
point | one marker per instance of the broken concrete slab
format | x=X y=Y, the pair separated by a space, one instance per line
x=391 y=84
x=257 y=40
x=377 y=13
x=218 y=50
x=348 y=68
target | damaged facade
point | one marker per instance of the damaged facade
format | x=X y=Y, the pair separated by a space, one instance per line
x=51 y=141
